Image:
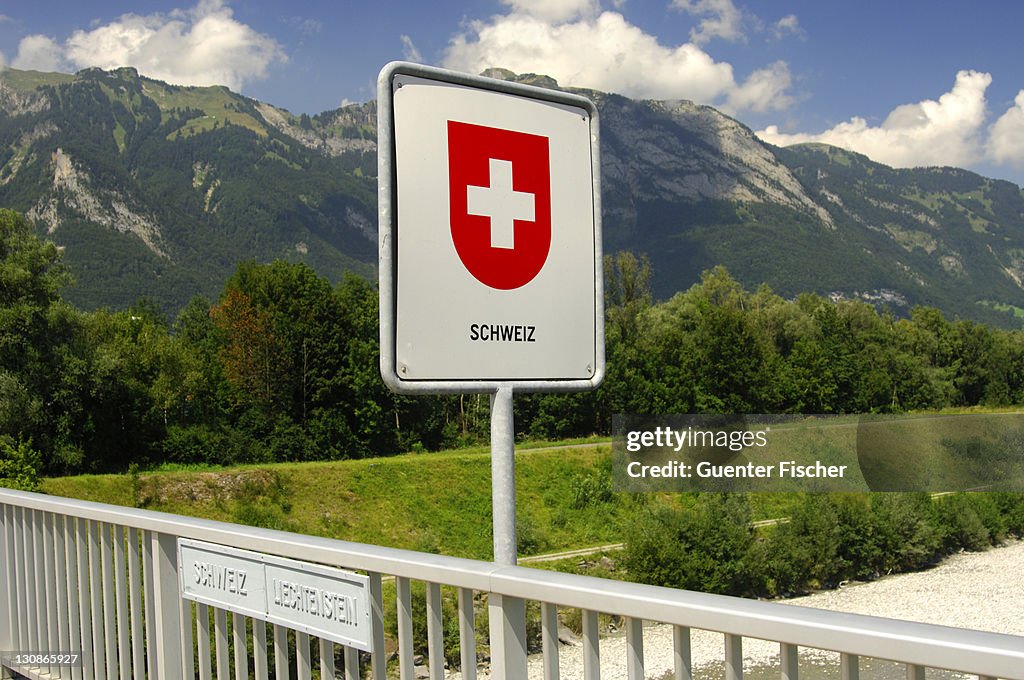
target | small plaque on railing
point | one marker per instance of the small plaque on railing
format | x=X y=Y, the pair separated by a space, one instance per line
x=326 y=602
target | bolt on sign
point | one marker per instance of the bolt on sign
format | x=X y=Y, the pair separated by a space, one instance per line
x=489 y=234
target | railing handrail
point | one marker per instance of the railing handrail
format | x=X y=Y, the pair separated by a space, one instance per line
x=986 y=653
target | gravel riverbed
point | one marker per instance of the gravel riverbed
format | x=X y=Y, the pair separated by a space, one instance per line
x=968 y=590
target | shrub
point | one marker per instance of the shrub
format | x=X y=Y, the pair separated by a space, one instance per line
x=703 y=548
x=905 y=529
x=19 y=464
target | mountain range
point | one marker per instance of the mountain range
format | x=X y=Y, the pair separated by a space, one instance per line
x=159 y=190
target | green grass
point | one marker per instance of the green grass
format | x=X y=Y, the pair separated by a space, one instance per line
x=437 y=502
x=28 y=81
x=432 y=502
x=1018 y=312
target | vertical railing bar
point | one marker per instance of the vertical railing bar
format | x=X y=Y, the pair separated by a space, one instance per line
x=85 y=621
x=188 y=658
x=435 y=633
x=733 y=657
x=591 y=646
x=789 y=657
x=39 y=580
x=171 y=655
x=327 y=659
x=203 y=641
x=31 y=638
x=549 y=639
x=150 y=608
x=135 y=600
x=915 y=672
x=303 y=662
x=60 y=564
x=467 y=634
x=109 y=613
x=18 y=597
x=7 y=629
x=681 y=652
x=52 y=622
x=241 y=648
x=124 y=651
x=259 y=649
x=403 y=597
x=99 y=660
x=9 y=575
x=220 y=638
x=71 y=580
x=634 y=648
x=849 y=667
x=378 y=660
x=352 y=663
x=281 y=666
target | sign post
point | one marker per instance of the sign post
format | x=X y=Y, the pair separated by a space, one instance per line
x=490 y=262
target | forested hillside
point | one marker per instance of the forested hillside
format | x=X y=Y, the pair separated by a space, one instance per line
x=282 y=365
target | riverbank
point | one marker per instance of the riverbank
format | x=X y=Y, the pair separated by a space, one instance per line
x=967 y=590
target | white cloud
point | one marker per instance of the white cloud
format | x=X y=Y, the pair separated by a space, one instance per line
x=39 y=53
x=579 y=45
x=204 y=45
x=721 y=19
x=409 y=50
x=763 y=90
x=788 y=25
x=944 y=132
x=1006 y=137
x=555 y=10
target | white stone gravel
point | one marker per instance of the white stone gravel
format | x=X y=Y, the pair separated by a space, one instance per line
x=982 y=591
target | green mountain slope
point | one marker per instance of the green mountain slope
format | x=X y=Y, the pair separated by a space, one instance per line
x=160 y=190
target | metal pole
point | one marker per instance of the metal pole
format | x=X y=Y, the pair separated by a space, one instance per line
x=503 y=476
x=507 y=614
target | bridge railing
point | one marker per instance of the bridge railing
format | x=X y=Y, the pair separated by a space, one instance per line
x=102 y=581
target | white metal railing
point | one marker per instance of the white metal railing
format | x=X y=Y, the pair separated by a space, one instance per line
x=102 y=580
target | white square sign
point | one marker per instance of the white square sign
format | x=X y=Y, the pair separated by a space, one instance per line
x=490 y=244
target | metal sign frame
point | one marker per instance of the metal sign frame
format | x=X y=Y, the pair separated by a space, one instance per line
x=388 y=228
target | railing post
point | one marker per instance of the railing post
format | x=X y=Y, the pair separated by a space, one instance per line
x=591 y=646
x=549 y=639
x=849 y=667
x=378 y=660
x=683 y=661
x=789 y=660
x=733 y=657
x=167 y=608
x=634 y=648
x=467 y=635
x=6 y=590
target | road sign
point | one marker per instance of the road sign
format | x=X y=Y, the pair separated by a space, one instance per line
x=323 y=601
x=489 y=234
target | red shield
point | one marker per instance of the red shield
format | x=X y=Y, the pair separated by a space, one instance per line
x=500 y=202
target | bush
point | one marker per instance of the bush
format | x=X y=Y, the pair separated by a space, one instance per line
x=906 y=532
x=970 y=521
x=703 y=548
x=19 y=464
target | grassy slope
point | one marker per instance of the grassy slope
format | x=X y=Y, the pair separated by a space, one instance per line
x=433 y=502
x=438 y=502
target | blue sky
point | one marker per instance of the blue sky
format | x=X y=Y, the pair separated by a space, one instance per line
x=907 y=83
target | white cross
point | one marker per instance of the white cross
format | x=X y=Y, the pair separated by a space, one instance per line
x=501 y=203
